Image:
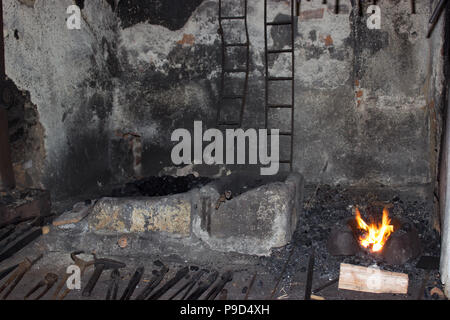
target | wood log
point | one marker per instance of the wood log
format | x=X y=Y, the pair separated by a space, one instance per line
x=372 y=280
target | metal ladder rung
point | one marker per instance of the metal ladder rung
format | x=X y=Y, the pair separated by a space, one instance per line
x=279 y=23
x=231 y=96
x=280 y=51
x=232 y=18
x=224 y=123
x=236 y=44
x=282 y=133
x=279 y=78
x=234 y=70
x=276 y=106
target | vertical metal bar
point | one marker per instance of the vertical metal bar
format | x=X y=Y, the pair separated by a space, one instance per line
x=266 y=66
x=435 y=16
x=247 y=63
x=7 y=180
x=293 y=83
x=309 y=276
x=222 y=76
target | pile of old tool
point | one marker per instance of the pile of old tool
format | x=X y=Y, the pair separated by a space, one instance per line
x=196 y=283
x=18 y=234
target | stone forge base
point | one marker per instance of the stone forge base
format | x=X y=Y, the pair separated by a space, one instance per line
x=261 y=214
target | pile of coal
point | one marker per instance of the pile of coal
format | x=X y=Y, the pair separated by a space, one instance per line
x=160 y=186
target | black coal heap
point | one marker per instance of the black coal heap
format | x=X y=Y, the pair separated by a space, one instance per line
x=160 y=186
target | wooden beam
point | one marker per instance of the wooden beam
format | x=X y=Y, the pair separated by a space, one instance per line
x=372 y=280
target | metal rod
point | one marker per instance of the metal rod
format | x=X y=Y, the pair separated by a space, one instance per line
x=310 y=274
x=250 y=286
x=266 y=67
x=293 y=83
x=222 y=75
x=435 y=16
x=247 y=66
x=326 y=285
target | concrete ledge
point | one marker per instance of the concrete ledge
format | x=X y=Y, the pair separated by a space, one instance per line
x=262 y=215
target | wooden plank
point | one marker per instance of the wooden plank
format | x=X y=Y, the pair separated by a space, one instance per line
x=372 y=280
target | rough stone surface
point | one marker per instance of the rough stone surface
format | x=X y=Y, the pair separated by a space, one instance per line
x=252 y=222
x=69 y=75
x=26 y=137
x=171 y=214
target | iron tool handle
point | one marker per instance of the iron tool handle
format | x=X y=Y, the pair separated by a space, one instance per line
x=93 y=280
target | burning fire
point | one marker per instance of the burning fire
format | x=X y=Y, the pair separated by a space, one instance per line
x=376 y=235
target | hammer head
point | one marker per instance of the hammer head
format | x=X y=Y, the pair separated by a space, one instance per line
x=51 y=278
x=80 y=262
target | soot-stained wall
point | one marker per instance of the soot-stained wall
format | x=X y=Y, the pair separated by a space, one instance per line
x=69 y=76
x=364 y=103
x=110 y=95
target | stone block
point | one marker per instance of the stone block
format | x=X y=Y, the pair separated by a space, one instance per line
x=252 y=222
x=170 y=214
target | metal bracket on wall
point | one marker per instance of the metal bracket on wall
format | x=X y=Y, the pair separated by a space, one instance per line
x=271 y=79
x=226 y=96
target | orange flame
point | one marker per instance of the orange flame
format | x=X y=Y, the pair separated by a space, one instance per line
x=376 y=234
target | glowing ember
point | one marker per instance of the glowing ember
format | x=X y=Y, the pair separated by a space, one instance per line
x=376 y=235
